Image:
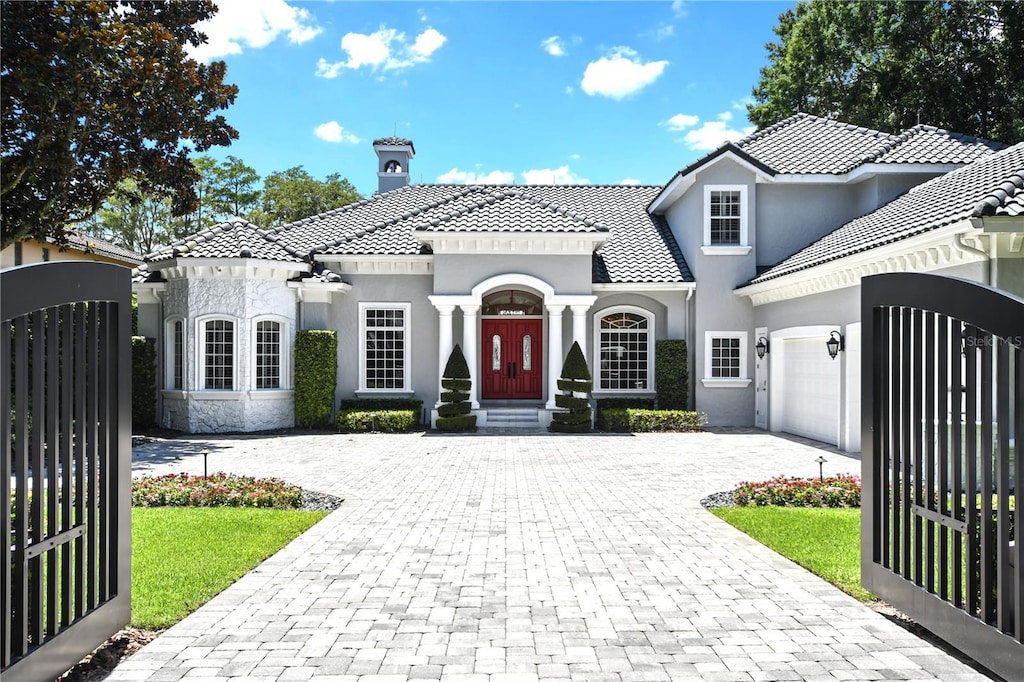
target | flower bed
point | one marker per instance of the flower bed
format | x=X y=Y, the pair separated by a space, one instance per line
x=842 y=490
x=218 y=490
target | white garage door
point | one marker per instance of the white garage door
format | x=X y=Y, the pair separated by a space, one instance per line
x=808 y=382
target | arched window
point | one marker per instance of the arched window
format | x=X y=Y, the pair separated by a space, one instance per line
x=625 y=346
x=392 y=167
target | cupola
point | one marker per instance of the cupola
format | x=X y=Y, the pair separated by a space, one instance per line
x=393 y=156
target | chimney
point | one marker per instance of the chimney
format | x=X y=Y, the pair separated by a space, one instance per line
x=393 y=156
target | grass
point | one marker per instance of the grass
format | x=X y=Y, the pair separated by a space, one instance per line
x=825 y=541
x=184 y=556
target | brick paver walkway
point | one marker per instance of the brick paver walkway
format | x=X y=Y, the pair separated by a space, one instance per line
x=501 y=557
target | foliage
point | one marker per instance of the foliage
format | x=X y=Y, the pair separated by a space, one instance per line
x=617 y=403
x=671 y=373
x=136 y=221
x=143 y=382
x=388 y=421
x=370 y=404
x=316 y=374
x=183 y=557
x=575 y=384
x=232 y=188
x=293 y=194
x=824 y=541
x=634 y=420
x=454 y=412
x=94 y=93
x=218 y=490
x=891 y=65
x=842 y=490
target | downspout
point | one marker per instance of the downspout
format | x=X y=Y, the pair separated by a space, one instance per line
x=958 y=238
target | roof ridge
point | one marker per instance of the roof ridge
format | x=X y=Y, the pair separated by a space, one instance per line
x=506 y=193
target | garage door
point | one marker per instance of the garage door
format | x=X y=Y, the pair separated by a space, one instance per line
x=807 y=389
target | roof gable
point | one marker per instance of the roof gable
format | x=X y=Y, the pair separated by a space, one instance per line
x=234 y=238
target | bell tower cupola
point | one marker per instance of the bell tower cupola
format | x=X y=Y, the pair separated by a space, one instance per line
x=393 y=156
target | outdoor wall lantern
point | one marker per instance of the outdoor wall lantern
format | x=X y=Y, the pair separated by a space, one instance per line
x=761 y=348
x=834 y=344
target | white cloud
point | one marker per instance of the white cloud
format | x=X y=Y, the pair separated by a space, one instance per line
x=332 y=131
x=553 y=176
x=714 y=134
x=629 y=181
x=458 y=177
x=553 y=46
x=568 y=89
x=679 y=8
x=253 y=24
x=681 y=122
x=620 y=74
x=664 y=31
x=385 y=49
x=575 y=157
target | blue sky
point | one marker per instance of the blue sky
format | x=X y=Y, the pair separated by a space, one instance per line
x=524 y=92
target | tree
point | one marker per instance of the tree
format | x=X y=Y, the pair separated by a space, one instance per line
x=454 y=412
x=137 y=221
x=232 y=188
x=294 y=194
x=96 y=92
x=891 y=65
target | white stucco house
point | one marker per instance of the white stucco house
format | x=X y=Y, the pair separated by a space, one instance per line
x=756 y=249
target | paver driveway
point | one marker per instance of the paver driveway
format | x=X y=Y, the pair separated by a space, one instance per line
x=524 y=557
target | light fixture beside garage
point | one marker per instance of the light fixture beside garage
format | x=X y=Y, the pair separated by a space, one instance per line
x=834 y=344
x=761 y=347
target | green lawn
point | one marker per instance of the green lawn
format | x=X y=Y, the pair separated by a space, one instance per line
x=184 y=556
x=825 y=541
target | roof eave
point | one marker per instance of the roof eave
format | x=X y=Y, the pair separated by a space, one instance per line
x=685 y=178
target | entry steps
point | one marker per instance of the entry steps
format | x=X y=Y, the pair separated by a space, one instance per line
x=513 y=417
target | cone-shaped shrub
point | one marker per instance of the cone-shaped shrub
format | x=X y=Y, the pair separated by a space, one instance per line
x=454 y=411
x=575 y=384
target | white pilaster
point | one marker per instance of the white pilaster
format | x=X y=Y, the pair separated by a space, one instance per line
x=555 y=356
x=579 y=326
x=470 y=341
x=444 y=342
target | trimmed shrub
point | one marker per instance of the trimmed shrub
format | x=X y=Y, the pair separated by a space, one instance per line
x=387 y=421
x=454 y=412
x=143 y=382
x=671 y=374
x=637 y=421
x=316 y=375
x=378 y=404
x=620 y=403
x=575 y=384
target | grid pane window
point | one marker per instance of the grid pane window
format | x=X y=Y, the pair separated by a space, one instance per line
x=218 y=361
x=624 y=352
x=268 y=354
x=725 y=217
x=385 y=348
x=177 y=355
x=725 y=358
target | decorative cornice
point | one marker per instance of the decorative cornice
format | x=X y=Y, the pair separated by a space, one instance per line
x=554 y=243
x=227 y=268
x=379 y=265
x=645 y=286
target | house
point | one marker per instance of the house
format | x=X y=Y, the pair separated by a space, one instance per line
x=79 y=246
x=765 y=238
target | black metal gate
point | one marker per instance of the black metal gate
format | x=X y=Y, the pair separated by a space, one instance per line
x=943 y=412
x=65 y=406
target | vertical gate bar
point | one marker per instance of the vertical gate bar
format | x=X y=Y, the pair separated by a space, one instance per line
x=19 y=582
x=79 y=455
x=36 y=442
x=92 y=397
x=52 y=408
x=907 y=429
x=7 y=452
x=106 y=364
x=1003 y=578
x=1018 y=487
x=883 y=448
x=929 y=447
x=988 y=549
x=945 y=356
x=67 y=486
x=918 y=463
x=971 y=391
x=895 y=424
x=958 y=394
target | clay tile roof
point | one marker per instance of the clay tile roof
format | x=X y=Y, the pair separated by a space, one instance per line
x=234 y=238
x=508 y=209
x=90 y=244
x=927 y=144
x=394 y=141
x=992 y=185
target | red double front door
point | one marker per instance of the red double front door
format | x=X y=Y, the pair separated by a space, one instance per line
x=511 y=362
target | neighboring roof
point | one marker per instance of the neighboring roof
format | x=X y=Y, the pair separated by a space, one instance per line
x=993 y=185
x=80 y=241
x=234 y=238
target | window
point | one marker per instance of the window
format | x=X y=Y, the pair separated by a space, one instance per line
x=268 y=354
x=624 y=350
x=218 y=337
x=725 y=360
x=384 y=329
x=725 y=220
x=175 y=355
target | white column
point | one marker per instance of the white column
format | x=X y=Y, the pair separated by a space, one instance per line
x=470 y=342
x=555 y=356
x=444 y=342
x=579 y=326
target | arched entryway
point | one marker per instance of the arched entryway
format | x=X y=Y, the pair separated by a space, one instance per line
x=512 y=345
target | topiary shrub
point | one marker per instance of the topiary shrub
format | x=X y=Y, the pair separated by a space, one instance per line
x=316 y=374
x=575 y=384
x=671 y=374
x=454 y=412
x=143 y=382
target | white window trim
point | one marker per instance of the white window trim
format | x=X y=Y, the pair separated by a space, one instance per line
x=407 y=328
x=743 y=380
x=596 y=360
x=286 y=353
x=741 y=249
x=169 y=354
x=199 y=366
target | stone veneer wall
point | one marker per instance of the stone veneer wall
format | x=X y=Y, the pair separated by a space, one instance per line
x=241 y=298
